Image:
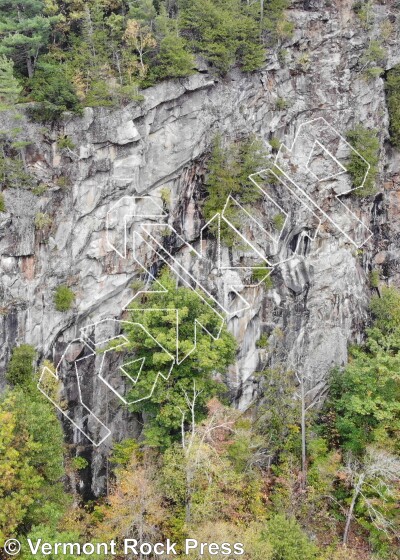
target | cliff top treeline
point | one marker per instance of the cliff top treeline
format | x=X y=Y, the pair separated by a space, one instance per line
x=72 y=53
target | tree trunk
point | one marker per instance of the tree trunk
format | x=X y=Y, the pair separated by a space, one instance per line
x=29 y=66
x=303 y=438
x=356 y=492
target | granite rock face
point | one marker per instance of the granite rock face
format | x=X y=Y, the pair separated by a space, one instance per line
x=320 y=292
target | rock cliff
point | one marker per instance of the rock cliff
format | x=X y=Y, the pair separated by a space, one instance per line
x=319 y=299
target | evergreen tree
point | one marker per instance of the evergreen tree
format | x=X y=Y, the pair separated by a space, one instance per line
x=199 y=358
x=174 y=59
x=24 y=31
x=20 y=370
x=225 y=32
x=54 y=92
x=9 y=85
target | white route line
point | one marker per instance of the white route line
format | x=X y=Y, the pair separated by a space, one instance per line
x=129 y=208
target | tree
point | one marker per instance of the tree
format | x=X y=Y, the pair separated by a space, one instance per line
x=134 y=508
x=364 y=398
x=366 y=143
x=205 y=478
x=54 y=93
x=276 y=415
x=174 y=59
x=224 y=32
x=31 y=467
x=140 y=37
x=171 y=363
x=24 y=30
x=229 y=167
x=307 y=401
x=379 y=471
x=9 y=85
x=63 y=298
x=288 y=540
x=21 y=369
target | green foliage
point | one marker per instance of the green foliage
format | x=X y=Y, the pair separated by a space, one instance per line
x=79 y=463
x=288 y=540
x=63 y=298
x=9 y=85
x=263 y=341
x=40 y=189
x=24 y=31
x=393 y=103
x=281 y=104
x=63 y=182
x=364 y=11
x=278 y=414
x=278 y=221
x=165 y=194
x=225 y=32
x=365 y=397
x=374 y=59
x=373 y=72
x=12 y=167
x=209 y=357
x=303 y=61
x=50 y=534
x=212 y=480
x=375 y=53
x=275 y=144
x=42 y=220
x=374 y=278
x=65 y=142
x=366 y=142
x=123 y=451
x=2 y=203
x=20 y=370
x=31 y=465
x=53 y=92
x=261 y=273
x=174 y=59
x=229 y=168
x=98 y=53
x=283 y=55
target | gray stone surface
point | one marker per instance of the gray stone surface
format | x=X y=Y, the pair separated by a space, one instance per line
x=319 y=299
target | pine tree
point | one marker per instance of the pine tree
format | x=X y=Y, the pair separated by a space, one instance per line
x=198 y=361
x=9 y=85
x=24 y=30
x=174 y=58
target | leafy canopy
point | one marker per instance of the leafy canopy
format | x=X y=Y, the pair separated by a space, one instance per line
x=21 y=369
x=209 y=357
x=365 y=398
x=366 y=143
x=31 y=446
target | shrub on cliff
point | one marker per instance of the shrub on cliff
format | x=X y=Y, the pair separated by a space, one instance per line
x=63 y=298
x=20 y=370
x=229 y=168
x=366 y=142
x=393 y=102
